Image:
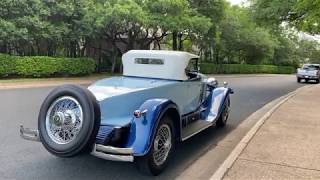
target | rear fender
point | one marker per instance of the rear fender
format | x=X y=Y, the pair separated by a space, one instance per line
x=143 y=129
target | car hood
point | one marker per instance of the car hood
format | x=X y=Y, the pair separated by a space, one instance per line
x=116 y=86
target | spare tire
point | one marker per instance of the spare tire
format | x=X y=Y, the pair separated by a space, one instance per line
x=69 y=121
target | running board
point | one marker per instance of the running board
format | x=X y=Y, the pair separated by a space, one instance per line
x=195 y=128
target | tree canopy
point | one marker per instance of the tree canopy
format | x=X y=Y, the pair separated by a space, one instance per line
x=105 y=29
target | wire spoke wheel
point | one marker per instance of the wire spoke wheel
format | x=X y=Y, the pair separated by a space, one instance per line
x=222 y=121
x=226 y=114
x=161 y=148
x=64 y=120
x=162 y=144
x=69 y=120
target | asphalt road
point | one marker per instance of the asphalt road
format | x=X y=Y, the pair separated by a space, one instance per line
x=20 y=159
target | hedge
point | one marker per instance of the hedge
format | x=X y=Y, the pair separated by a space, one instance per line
x=210 y=68
x=42 y=66
x=7 y=65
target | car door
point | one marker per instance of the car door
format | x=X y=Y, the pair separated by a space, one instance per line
x=194 y=91
x=194 y=85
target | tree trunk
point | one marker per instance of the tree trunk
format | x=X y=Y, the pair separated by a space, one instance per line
x=114 y=60
x=75 y=49
x=131 y=40
x=99 y=59
x=180 y=41
x=3 y=48
x=50 y=49
x=217 y=56
x=174 y=41
x=159 y=45
x=84 y=48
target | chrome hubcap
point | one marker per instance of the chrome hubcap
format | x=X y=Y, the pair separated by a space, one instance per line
x=64 y=120
x=162 y=144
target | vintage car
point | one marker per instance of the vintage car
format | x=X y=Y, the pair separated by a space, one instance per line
x=160 y=100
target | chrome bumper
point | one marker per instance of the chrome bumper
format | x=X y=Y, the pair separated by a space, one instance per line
x=307 y=76
x=100 y=151
x=29 y=134
x=113 y=153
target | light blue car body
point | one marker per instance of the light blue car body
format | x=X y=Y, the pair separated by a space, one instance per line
x=119 y=97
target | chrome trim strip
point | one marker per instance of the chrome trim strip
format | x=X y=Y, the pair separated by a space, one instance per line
x=111 y=157
x=113 y=150
x=29 y=134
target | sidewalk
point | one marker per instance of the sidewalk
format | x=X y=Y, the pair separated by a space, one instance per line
x=287 y=146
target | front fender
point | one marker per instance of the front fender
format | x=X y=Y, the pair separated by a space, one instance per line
x=220 y=96
x=143 y=129
x=215 y=101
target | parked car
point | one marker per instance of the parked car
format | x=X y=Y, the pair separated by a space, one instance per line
x=160 y=100
x=309 y=72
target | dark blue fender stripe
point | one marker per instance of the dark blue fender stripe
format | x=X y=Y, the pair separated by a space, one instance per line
x=204 y=109
x=143 y=129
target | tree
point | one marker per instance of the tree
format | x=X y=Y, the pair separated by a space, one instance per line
x=43 y=27
x=106 y=29
x=243 y=41
x=306 y=16
x=70 y=24
x=178 y=18
x=21 y=24
x=308 y=51
x=210 y=43
x=302 y=14
x=271 y=13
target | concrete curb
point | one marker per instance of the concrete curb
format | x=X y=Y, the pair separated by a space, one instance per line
x=227 y=164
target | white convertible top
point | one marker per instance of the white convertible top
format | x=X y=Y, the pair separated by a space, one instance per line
x=156 y=64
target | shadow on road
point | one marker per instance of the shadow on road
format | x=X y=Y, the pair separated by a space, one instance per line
x=89 y=167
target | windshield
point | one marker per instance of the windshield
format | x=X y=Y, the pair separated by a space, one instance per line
x=311 y=67
x=192 y=66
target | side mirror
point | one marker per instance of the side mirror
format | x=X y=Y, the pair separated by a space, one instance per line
x=212 y=82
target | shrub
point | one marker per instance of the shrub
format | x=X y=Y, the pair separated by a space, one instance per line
x=7 y=65
x=210 y=68
x=81 y=66
x=41 y=66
